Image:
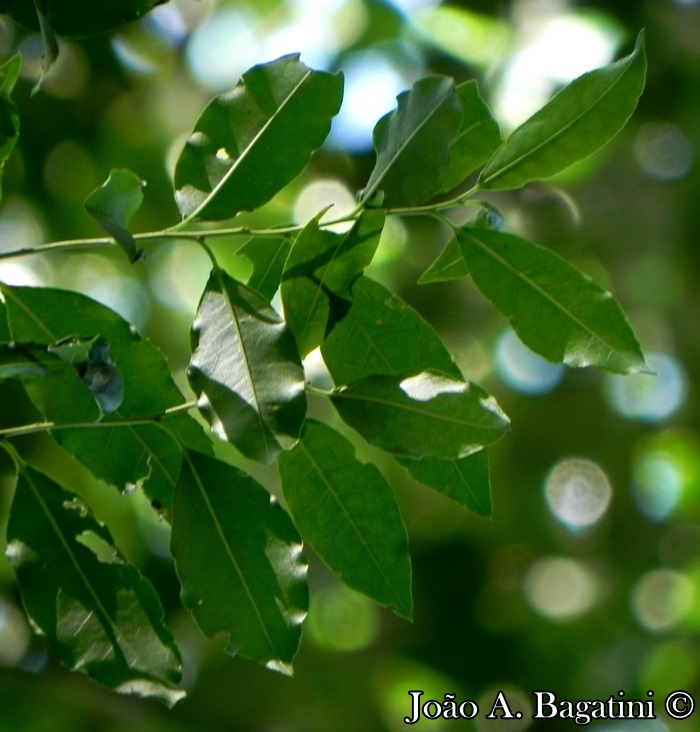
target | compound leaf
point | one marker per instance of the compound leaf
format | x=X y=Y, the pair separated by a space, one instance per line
x=114 y=203
x=413 y=142
x=245 y=367
x=555 y=309
x=320 y=269
x=347 y=513
x=239 y=560
x=583 y=117
x=250 y=142
x=425 y=415
x=99 y=615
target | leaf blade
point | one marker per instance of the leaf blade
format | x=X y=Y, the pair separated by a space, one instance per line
x=248 y=144
x=245 y=368
x=99 y=615
x=556 y=310
x=347 y=513
x=239 y=560
x=9 y=114
x=412 y=144
x=426 y=415
x=114 y=203
x=580 y=119
x=319 y=272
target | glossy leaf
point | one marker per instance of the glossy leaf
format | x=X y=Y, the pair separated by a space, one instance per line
x=78 y=19
x=450 y=264
x=250 y=142
x=466 y=482
x=239 y=560
x=9 y=115
x=347 y=513
x=99 y=615
x=245 y=368
x=426 y=415
x=413 y=142
x=556 y=310
x=383 y=336
x=114 y=203
x=477 y=140
x=580 y=119
x=319 y=272
x=122 y=455
x=267 y=257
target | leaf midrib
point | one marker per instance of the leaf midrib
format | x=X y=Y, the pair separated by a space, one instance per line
x=560 y=132
x=350 y=521
x=560 y=306
x=271 y=120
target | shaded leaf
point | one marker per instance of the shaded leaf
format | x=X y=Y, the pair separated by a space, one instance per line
x=319 y=272
x=114 y=203
x=347 y=513
x=466 y=481
x=383 y=336
x=4 y=325
x=250 y=142
x=9 y=114
x=412 y=144
x=76 y=18
x=48 y=37
x=239 y=561
x=450 y=264
x=477 y=140
x=426 y=415
x=122 y=455
x=25 y=362
x=268 y=257
x=580 y=119
x=556 y=310
x=99 y=615
x=245 y=368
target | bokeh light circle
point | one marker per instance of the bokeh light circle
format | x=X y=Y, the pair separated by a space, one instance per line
x=578 y=492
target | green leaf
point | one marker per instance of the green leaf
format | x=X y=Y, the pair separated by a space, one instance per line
x=319 y=272
x=383 y=336
x=413 y=142
x=245 y=368
x=477 y=140
x=114 y=203
x=347 y=513
x=48 y=37
x=5 y=336
x=25 y=362
x=450 y=264
x=556 y=310
x=426 y=415
x=99 y=615
x=78 y=19
x=580 y=119
x=268 y=257
x=9 y=114
x=239 y=560
x=465 y=481
x=122 y=455
x=250 y=142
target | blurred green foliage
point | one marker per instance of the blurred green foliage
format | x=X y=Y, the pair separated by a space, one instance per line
x=583 y=590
